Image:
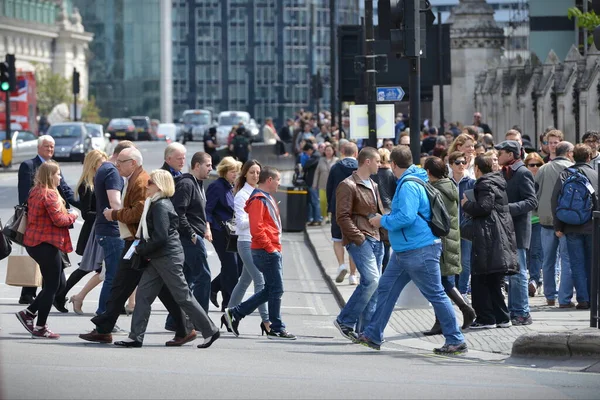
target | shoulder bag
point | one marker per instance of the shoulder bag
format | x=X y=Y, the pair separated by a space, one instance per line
x=16 y=225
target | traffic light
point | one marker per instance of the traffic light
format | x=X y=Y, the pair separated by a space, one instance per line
x=75 y=81
x=12 y=71
x=397 y=24
x=4 y=77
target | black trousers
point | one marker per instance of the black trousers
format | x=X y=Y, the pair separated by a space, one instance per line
x=31 y=291
x=49 y=260
x=230 y=267
x=124 y=283
x=487 y=298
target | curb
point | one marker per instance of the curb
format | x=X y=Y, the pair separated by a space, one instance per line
x=558 y=344
x=330 y=283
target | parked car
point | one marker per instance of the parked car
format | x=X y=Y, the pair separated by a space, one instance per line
x=195 y=124
x=72 y=140
x=167 y=132
x=143 y=128
x=100 y=140
x=24 y=147
x=228 y=119
x=122 y=128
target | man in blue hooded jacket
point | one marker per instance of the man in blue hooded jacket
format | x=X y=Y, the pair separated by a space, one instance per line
x=416 y=257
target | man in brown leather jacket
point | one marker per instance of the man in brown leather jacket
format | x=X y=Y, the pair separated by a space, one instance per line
x=357 y=201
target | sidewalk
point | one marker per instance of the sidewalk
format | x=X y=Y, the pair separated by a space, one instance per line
x=406 y=326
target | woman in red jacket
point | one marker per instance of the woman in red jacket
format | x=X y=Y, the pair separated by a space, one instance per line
x=47 y=234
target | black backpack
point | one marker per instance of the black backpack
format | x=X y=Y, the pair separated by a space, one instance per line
x=240 y=147
x=440 y=219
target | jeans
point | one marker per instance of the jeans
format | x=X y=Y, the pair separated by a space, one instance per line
x=422 y=266
x=48 y=258
x=360 y=307
x=249 y=274
x=112 y=247
x=518 y=295
x=565 y=289
x=465 y=260
x=535 y=255
x=272 y=269
x=580 y=257
x=551 y=245
x=196 y=272
x=314 y=205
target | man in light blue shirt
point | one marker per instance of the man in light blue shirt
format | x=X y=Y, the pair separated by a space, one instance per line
x=416 y=257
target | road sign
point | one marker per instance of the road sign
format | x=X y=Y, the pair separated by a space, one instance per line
x=390 y=93
x=359 y=121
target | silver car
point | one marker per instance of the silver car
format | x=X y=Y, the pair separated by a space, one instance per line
x=23 y=144
x=72 y=140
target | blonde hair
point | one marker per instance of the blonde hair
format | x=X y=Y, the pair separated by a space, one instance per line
x=89 y=170
x=163 y=181
x=385 y=155
x=459 y=141
x=227 y=164
x=44 y=179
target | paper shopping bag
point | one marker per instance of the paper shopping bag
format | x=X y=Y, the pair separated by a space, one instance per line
x=22 y=270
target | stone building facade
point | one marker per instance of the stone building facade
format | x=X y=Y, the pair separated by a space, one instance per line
x=535 y=94
x=45 y=32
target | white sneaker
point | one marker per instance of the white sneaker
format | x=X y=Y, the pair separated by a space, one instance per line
x=341 y=273
x=353 y=280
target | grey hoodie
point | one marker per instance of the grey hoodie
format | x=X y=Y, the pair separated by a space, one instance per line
x=544 y=186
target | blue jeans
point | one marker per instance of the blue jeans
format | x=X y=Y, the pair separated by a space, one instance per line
x=360 y=307
x=580 y=257
x=112 y=247
x=314 y=205
x=249 y=274
x=565 y=289
x=465 y=260
x=535 y=255
x=518 y=295
x=552 y=248
x=270 y=264
x=422 y=266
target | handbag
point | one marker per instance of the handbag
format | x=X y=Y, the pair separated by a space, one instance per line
x=16 y=225
x=139 y=262
x=5 y=246
x=230 y=236
x=23 y=271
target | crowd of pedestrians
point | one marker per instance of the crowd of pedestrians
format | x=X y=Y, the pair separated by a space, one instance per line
x=482 y=225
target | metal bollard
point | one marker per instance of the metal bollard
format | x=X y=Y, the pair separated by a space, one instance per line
x=595 y=274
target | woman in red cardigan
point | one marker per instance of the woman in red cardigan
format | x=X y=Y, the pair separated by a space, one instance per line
x=46 y=235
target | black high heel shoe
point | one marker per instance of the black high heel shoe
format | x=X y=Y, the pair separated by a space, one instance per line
x=60 y=304
x=213 y=299
x=224 y=322
x=263 y=330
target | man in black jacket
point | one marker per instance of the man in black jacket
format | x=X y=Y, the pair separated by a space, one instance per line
x=309 y=168
x=338 y=172
x=174 y=159
x=27 y=171
x=522 y=201
x=189 y=201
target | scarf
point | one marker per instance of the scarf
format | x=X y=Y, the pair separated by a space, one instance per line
x=507 y=170
x=143 y=226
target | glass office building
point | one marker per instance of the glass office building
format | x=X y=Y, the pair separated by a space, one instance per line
x=124 y=63
x=255 y=56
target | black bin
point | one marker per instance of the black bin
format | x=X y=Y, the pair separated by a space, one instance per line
x=292 y=207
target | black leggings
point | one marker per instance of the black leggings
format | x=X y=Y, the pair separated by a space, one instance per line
x=49 y=260
x=73 y=280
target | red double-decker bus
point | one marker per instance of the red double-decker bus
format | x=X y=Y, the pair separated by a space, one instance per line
x=23 y=102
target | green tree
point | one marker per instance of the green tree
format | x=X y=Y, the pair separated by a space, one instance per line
x=588 y=20
x=90 y=112
x=52 y=89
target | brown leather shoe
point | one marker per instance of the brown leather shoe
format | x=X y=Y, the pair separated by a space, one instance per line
x=550 y=302
x=94 y=336
x=583 y=305
x=180 y=341
x=569 y=305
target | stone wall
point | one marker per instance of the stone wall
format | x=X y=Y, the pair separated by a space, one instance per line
x=535 y=94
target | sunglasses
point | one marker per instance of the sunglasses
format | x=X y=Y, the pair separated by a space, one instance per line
x=457 y=162
x=150 y=182
x=534 y=165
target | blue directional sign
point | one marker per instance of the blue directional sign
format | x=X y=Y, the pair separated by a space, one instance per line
x=390 y=93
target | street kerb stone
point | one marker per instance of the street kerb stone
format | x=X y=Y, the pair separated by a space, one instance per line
x=585 y=344
x=542 y=344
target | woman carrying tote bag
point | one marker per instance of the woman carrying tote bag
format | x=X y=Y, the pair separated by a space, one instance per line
x=47 y=236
